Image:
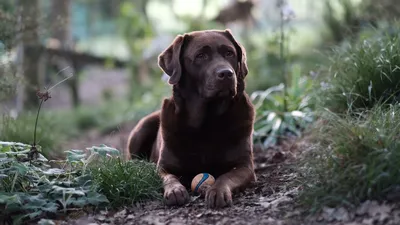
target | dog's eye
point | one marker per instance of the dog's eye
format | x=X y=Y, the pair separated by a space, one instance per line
x=201 y=56
x=229 y=54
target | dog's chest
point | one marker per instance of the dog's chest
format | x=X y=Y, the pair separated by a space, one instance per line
x=216 y=147
x=211 y=151
x=192 y=162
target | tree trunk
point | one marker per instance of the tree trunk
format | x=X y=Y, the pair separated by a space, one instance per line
x=61 y=15
x=29 y=15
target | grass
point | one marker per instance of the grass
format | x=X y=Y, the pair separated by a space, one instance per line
x=363 y=74
x=355 y=159
x=356 y=146
x=126 y=182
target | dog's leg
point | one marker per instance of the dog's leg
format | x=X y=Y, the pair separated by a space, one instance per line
x=174 y=192
x=220 y=194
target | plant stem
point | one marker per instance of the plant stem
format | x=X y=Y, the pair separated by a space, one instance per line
x=283 y=64
x=14 y=181
x=36 y=122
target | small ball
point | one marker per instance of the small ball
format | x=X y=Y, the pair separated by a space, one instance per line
x=201 y=182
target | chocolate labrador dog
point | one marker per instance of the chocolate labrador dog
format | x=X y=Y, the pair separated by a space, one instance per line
x=207 y=123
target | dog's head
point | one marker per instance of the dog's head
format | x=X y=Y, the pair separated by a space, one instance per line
x=210 y=63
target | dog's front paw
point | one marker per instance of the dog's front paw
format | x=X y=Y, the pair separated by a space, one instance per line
x=218 y=197
x=176 y=195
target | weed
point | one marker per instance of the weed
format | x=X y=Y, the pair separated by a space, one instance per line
x=283 y=109
x=363 y=74
x=16 y=130
x=355 y=158
x=12 y=129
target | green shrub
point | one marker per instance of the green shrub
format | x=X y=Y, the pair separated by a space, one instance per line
x=276 y=117
x=362 y=75
x=355 y=158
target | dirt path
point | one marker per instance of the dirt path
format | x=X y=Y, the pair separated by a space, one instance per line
x=260 y=204
x=268 y=201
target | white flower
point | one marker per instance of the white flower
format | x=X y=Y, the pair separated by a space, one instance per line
x=286 y=10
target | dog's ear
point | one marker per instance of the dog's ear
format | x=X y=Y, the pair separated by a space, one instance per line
x=242 y=60
x=169 y=60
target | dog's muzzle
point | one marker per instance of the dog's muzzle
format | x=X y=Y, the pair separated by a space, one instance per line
x=225 y=82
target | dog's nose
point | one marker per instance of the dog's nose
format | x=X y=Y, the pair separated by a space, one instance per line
x=225 y=73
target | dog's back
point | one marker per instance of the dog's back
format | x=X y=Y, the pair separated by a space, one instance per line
x=143 y=137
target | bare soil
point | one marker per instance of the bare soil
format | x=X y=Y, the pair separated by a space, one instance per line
x=268 y=201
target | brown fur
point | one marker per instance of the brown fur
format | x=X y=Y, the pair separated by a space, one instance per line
x=207 y=123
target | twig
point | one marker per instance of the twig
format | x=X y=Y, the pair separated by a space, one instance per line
x=36 y=122
x=43 y=96
x=63 y=79
x=282 y=56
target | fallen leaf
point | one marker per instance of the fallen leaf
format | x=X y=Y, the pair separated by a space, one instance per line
x=381 y=211
x=336 y=214
x=327 y=213
x=120 y=213
x=130 y=217
x=369 y=221
x=276 y=202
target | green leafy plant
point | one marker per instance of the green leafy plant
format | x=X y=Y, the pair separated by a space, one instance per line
x=31 y=188
x=354 y=158
x=280 y=114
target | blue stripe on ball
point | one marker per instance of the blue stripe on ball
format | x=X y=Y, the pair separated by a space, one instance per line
x=204 y=178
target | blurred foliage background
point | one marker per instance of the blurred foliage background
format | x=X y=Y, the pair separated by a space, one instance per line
x=102 y=57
